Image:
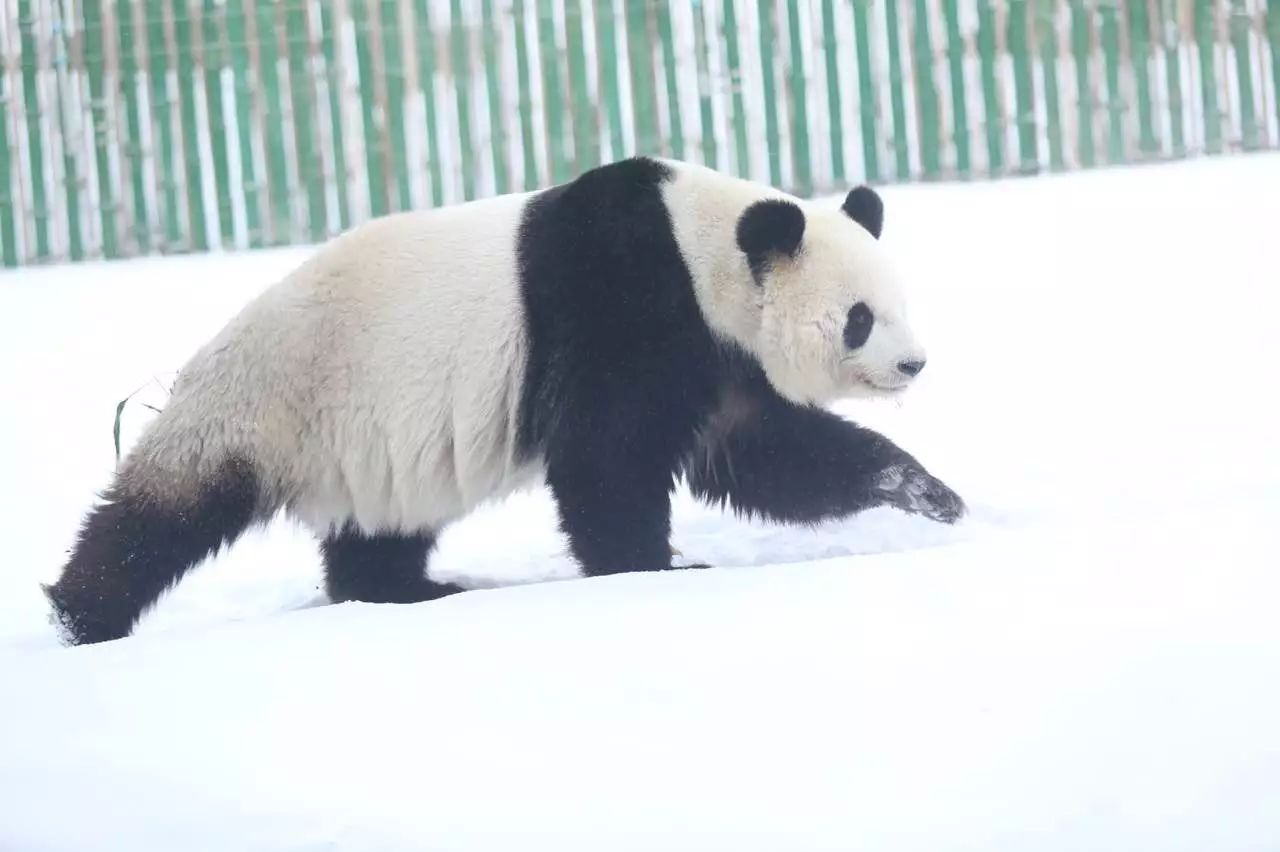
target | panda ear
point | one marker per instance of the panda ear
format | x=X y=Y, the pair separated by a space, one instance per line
x=864 y=206
x=773 y=226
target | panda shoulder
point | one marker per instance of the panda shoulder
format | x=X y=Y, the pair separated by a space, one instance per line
x=712 y=193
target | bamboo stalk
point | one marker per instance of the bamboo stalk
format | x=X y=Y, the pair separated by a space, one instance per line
x=1273 y=39
x=959 y=98
x=1239 y=35
x=1140 y=59
x=8 y=154
x=643 y=101
x=1173 y=74
x=773 y=141
x=666 y=38
x=586 y=146
x=336 y=79
x=553 y=89
x=213 y=60
x=95 y=66
x=1018 y=42
x=993 y=121
x=29 y=57
x=742 y=150
x=801 y=164
x=1048 y=44
x=497 y=121
x=426 y=41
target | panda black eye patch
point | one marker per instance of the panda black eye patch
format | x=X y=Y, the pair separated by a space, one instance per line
x=857 y=327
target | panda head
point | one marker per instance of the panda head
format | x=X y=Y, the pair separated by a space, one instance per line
x=833 y=320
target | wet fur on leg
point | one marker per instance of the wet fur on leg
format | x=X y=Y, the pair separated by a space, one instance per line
x=133 y=547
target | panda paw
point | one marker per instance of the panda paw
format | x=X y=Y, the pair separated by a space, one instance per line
x=915 y=490
x=674 y=566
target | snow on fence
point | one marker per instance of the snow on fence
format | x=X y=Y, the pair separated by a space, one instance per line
x=137 y=126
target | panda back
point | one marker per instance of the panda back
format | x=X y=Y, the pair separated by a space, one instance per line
x=378 y=382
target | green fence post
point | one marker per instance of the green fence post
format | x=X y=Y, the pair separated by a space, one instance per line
x=866 y=92
x=213 y=62
x=553 y=93
x=1048 y=32
x=1273 y=38
x=706 y=114
x=462 y=85
x=801 y=166
x=238 y=48
x=1244 y=74
x=1208 y=76
x=374 y=137
x=393 y=72
x=70 y=168
x=8 y=226
x=830 y=51
x=1024 y=92
x=268 y=28
x=96 y=67
x=675 y=141
x=1080 y=49
x=772 y=134
x=335 y=78
x=35 y=142
x=959 y=101
x=497 y=125
x=742 y=151
x=1110 y=28
x=525 y=99
x=926 y=94
x=184 y=39
x=643 y=101
x=897 y=96
x=990 y=95
x=242 y=95
x=1140 y=52
x=425 y=38
x=607 y=71
x=586 y=145
x=304 y=126
x=158 y=74
x=131 y=80
x=1173 y=73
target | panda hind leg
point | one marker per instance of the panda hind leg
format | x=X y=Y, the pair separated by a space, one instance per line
x=136 y=544
x=381 y=568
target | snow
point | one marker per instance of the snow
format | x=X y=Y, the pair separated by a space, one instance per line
x=1090 y=660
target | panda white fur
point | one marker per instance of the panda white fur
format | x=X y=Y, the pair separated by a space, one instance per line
x=646 y=321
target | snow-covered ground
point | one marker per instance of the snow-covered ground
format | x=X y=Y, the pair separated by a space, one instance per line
x=1090 y=661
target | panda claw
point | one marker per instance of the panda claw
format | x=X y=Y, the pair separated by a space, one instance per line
x=918 y=492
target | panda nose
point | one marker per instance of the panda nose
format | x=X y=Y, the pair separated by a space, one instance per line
x=911 y=367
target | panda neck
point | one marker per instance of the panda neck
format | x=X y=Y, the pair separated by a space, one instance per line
x=705 y=207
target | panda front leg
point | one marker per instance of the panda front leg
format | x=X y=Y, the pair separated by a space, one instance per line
x=802 y=464
x=615 y=508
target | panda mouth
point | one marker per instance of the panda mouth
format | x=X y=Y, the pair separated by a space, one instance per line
x=890 y=390
x=881 y=387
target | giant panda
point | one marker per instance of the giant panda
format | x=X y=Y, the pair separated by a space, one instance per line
x=647 y=322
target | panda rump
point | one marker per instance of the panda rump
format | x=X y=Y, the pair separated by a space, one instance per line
x=606 y=336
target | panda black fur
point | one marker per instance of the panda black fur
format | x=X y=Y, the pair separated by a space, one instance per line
x=646 y=321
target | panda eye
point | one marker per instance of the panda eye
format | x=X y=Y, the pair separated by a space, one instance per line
x=858 y=327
